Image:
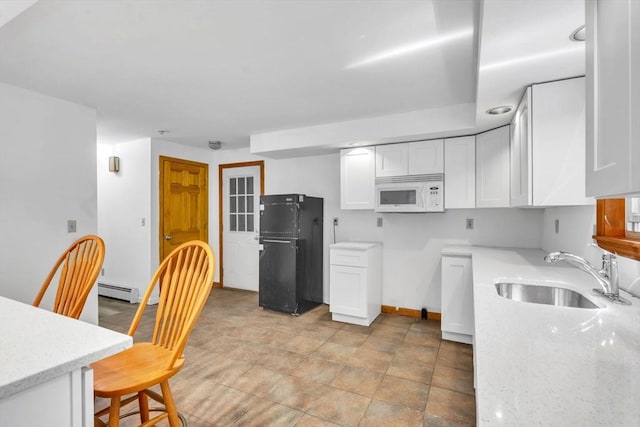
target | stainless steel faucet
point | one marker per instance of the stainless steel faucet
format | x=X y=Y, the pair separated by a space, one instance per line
x=607 y=276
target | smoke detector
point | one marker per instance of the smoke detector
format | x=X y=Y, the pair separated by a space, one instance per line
x=215 y=145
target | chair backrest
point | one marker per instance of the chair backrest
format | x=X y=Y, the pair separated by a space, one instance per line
x=185 y=278
x=77 y=270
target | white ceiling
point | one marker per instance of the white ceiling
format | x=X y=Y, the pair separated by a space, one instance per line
x=224 y=70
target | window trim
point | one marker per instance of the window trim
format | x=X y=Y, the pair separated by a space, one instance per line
x=611 y=229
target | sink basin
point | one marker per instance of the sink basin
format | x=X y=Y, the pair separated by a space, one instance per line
x=549 y=295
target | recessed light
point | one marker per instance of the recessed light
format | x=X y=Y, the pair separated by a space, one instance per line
x=578 y=35
x=503 y=109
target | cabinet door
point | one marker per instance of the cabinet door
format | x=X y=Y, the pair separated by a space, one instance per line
x=634 y=96
x=392 y=160
x=426 y=157
x=521 y=192
x=460 y=172
x=457 y=295
x=613 y=108
x=348 y=290
x=492 y=168
x=357 y=178
x=557 y=114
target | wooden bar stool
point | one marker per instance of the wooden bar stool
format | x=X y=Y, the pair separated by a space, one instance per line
x=77 y=270
x=185 y=278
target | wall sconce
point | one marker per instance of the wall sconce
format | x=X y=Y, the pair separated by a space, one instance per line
x=114 y=164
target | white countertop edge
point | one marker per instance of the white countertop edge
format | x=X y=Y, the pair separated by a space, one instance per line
x=355 y=245
x=41 y=377
x=37 y=345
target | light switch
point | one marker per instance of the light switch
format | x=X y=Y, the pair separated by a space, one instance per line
x=71 y=226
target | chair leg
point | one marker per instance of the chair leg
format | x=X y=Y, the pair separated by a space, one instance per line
x=143 y=402
x=97 y=422
x=114 y=412
x=170 y=404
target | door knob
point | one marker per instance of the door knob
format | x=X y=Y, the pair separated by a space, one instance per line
x=167 y=237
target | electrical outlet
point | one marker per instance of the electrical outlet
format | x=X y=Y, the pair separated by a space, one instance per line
x=71 y=226
x=335 y=222
x=469 y=223
x=143 y=221
x=102 y=272
x=557 y=225
x=379 y=221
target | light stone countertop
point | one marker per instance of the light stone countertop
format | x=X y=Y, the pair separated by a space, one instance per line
x=37 y=345
x=362 y=246
x=541 y=365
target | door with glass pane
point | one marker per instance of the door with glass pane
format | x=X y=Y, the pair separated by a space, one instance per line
x=240 y=225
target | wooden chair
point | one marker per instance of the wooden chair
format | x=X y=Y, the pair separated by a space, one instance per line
x=185 y=278
x=77 y=270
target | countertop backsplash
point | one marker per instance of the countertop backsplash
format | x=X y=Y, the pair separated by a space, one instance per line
x=574 y=235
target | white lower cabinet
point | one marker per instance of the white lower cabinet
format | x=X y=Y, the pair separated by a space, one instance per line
x=63 y=401
x=355 y=282
x=457 y=299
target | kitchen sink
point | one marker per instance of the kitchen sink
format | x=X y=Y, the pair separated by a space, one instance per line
x=538 y=294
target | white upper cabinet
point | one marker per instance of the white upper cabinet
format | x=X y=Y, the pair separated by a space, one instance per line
x=392 y=159
x=521 y=194
x=357 y=178
x=410 y=158
x=548 y=146
x=558 y=125
x=426 y=157
x=492 y=168
x=460 y=172
x=613 y=97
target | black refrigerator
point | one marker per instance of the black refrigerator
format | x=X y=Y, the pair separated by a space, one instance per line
x=290 y=265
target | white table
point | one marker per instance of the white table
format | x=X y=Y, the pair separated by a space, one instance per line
x=45 y=377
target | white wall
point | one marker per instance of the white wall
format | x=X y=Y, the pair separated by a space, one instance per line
x=124 y=202
x=412 y=242
x=47 y=176
x=126 y=197
x=576 y=228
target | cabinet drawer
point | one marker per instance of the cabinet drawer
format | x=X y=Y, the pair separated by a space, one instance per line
x=348 y=257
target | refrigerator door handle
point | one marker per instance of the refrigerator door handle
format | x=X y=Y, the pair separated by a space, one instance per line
x=276 y=241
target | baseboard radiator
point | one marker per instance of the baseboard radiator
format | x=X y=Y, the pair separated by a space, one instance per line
x=118 y=292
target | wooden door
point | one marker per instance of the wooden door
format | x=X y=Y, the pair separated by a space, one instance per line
x=184 y=203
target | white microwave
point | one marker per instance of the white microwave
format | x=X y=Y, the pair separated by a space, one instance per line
x=410 y=193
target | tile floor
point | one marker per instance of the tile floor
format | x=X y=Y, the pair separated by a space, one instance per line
x=246 y=366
